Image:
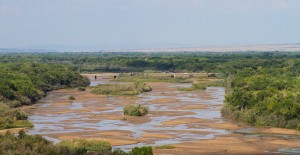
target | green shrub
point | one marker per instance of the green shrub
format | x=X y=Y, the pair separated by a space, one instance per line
x=81 y=88
x=22 y=134
x=145 y=150
x=13 y=103
x=293 y=124
x=35 y=145
x=89 y=145
x=146 y=88
x=135 y=110
x=6 y=111
x=72 y=98
x=119 y=152
x=25 y=144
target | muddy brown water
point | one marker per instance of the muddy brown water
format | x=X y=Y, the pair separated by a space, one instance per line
x=179 y=118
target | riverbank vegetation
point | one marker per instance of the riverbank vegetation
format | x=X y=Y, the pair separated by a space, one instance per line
x=121 y=89
x=266 y=96
x=145 y=150
x=135 y=110
x=12 y=118
x=96 y=146
x=25 y=83
x=29 y=144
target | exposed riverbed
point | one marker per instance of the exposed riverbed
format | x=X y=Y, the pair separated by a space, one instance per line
x=189 y=120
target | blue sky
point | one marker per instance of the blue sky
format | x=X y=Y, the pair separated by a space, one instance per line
x=134 y=24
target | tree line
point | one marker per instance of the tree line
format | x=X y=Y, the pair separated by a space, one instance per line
x=262 y=87
x=25 y=83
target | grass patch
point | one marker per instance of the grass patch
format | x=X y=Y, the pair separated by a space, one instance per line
x=8 y=124
x=121 y=89
x=12 y=118
x=216 y=83
x=195 y=86
x=151 y=78
x=165 y=147
x=135 y=110
x=203 y=83
x=101 y=147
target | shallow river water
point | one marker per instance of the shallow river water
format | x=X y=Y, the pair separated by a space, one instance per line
x=175 y=117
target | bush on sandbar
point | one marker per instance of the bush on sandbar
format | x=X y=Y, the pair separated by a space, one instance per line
x=135 y=110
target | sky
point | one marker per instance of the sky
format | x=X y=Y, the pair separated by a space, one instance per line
x=141 y=24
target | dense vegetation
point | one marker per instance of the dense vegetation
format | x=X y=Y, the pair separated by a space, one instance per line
x=159 y=61
x=35 y=145
x=121 y=89
x=25 y=83
x=266 y=96
x=135 y=110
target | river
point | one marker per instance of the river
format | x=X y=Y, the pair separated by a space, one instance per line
x=189 y=120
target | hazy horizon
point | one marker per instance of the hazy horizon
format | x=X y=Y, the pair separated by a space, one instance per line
x=142 y=24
